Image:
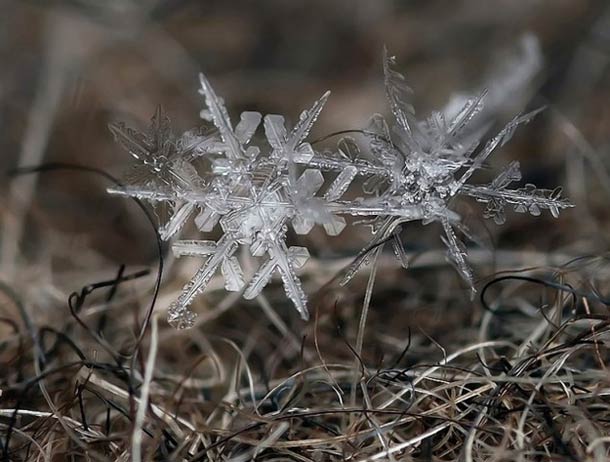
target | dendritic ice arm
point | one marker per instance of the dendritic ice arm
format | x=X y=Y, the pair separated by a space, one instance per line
x=219 y=255
x=497 y=141
x=285 y=261
x=181 y=211
x=382 y=231
x=233 y=141
x=456 y=253
x=398 y=93
x=307 y=209
x=289 y=148
x=236 y=167
x=527 y=199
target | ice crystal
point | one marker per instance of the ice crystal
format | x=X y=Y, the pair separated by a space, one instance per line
x=411 y=170
x=163 y=166
x=417 y=167
x=252 y=197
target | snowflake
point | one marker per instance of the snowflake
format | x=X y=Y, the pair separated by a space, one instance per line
x=416 y=168
x=412 y=170
x=252 y=197
x=163 y=166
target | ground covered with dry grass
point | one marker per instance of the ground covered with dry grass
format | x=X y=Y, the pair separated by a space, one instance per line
x=523 y=377
x=89 y=368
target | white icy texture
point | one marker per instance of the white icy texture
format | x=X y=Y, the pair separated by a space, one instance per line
x=252 y=193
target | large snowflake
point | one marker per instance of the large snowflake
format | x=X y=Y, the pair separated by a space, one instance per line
x=411 y=170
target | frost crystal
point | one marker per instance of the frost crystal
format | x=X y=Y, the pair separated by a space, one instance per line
x=411 y=170
x=163 y=169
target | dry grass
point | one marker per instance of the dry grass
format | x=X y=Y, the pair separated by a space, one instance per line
x=523 y=380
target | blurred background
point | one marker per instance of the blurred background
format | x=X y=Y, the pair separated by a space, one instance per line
x=71 y=67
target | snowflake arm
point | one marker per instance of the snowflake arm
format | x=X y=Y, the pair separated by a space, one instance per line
x=456 y=253
x=398 y=94
x=182 y=212
x=233 y=141
x=383 y=230
x=399 y=248
x=285 y=261
x=499 y=140
x=292 y=284
x=527 y=199
x=303 y=127
x=131 y=140
x=466 y=115
x=220 y=117
x=289 y=149
x=219 y=255
x=341 y=183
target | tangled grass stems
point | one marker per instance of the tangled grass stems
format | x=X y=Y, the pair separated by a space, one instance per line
x=547 y=400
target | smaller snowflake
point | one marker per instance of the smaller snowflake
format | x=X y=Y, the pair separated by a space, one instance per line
x=417 y=167
x=163 y=166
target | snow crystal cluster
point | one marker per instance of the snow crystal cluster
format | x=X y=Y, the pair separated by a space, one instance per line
x=409 y=169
